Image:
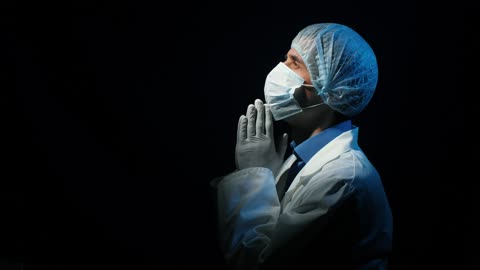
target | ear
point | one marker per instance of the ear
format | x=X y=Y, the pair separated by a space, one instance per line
x=300 y=95
x=310 y=92
x=312 y=95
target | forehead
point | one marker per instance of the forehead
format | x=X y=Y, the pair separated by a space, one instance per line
x=292 y=51
x=294 y=54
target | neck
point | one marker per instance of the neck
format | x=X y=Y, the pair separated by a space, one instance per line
x=301 y=133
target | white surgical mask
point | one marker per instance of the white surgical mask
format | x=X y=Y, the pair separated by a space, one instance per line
x=280 y=85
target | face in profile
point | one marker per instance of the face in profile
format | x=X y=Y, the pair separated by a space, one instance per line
x=305 y=95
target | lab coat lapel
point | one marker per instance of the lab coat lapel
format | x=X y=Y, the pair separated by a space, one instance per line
x=341 y=144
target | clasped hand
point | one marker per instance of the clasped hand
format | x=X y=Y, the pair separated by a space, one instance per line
x=255 y=140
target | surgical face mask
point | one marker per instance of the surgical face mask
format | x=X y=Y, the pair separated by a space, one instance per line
x=280 y=85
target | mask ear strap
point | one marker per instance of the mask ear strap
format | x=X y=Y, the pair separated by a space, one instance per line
x=309 y=87
x=312 y=106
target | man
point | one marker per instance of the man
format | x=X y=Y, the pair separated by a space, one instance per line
x=325 y=204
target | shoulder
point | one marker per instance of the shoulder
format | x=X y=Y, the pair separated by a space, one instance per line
x=352 y=167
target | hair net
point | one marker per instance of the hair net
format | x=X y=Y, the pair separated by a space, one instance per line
x=342 y=66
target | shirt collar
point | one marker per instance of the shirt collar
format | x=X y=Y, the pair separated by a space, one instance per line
x=307 y=149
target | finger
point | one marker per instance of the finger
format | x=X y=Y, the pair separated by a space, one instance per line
x=268 y=122
x=242 y=129
x=251 y=115
x=260 y=125
x=283 y=145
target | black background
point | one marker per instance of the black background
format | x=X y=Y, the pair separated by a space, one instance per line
x=116 y=115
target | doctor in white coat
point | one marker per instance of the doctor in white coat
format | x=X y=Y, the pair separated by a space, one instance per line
x=324 y=205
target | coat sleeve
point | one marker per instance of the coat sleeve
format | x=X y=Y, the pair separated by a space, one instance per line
x=248 y=209
x=252 y=223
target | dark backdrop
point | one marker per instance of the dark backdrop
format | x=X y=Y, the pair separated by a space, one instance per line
x=117 y=115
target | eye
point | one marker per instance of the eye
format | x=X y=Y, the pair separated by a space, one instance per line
x=291 y=61
x=294 y=64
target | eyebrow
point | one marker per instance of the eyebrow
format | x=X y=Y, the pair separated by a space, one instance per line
x=295 y=57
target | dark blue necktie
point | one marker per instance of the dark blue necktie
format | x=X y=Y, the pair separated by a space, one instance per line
x=293 y=171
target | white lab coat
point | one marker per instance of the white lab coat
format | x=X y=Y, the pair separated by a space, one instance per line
x=253 y=222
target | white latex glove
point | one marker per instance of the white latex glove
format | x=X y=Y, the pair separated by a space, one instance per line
x=255 y=141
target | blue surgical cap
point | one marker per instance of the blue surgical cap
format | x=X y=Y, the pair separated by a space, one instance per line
x=342 y=65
